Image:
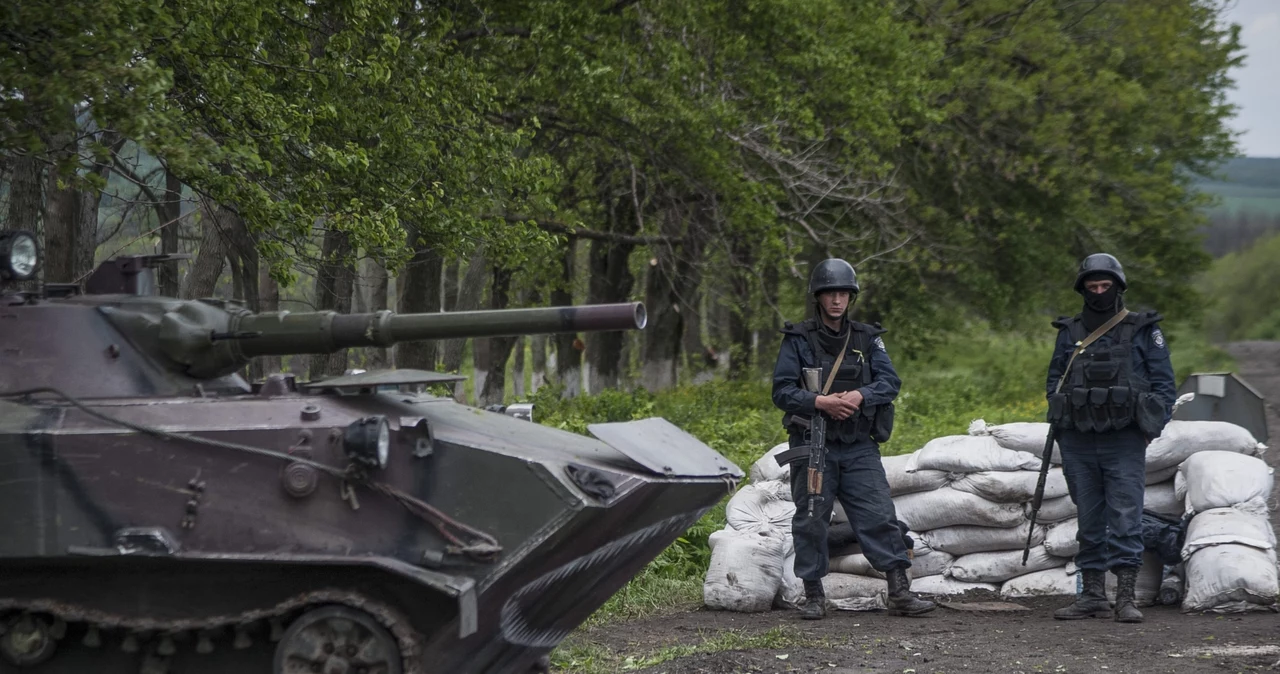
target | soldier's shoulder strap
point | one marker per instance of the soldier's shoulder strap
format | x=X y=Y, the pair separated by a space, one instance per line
x=799 y=329
x=1136 y=321
x=1074 y=325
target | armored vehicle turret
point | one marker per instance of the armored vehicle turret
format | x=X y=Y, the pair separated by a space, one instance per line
x=160 y=513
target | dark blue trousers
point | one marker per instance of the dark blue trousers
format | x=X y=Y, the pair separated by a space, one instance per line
x=853 y=474
x=1106 y=476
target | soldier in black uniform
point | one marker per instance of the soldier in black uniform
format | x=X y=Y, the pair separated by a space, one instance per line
x=1116 y=397
x=858 y=404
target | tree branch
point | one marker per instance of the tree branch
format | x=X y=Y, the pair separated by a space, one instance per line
x=486 y=31
x=557 y=227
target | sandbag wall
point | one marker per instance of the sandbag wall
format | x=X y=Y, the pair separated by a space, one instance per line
x=966 y=499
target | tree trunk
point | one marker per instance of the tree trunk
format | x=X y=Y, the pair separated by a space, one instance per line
x=334 y=283
x=25 y=195
x=610 y=281
x=418 y=289
x=61 y=229
x=663 y=334
x=517 y=370
x=538 y=346
x=202 y=280
x=469 y=292
x=170 y=212
x=740 y=349
x=568 y=348
x=491 y=390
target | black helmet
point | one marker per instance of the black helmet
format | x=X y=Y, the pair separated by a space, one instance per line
x=1101 y=263
x=833 y=274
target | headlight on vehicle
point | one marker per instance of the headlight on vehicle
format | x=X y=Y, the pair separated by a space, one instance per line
x=19 y=255
x=368 y=441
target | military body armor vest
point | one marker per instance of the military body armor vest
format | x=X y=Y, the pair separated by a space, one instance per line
x=1102 y=391
x=855 y=372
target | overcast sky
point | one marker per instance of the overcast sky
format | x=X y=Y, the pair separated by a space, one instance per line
x=1257 y=92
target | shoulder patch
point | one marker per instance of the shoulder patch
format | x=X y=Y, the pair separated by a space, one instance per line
x=1158 y=338
x=879 y=343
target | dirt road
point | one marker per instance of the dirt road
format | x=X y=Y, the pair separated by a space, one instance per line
x=951 y=640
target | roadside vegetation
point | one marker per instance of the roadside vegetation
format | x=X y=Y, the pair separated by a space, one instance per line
x=981 y=374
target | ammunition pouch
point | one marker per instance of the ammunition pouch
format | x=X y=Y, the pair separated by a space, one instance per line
x=1059 y=415
x=1150 y=414
x=881 y=422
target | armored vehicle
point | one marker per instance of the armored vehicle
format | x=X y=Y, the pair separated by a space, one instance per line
x=160 y=513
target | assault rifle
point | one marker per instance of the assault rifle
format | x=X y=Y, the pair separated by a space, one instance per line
x=1038 y=497
x=817 y=440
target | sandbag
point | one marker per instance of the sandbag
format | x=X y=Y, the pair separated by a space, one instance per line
x=847 y=592
x=745 y=571
x=1015 y=486
x=761 y=506
x=1060 y=539
x=903 y=482
x=1215 y=479
x=965 y=540
x=942 y=585
x=946 y=507
x=791 y=590
x=1053 y=510
x=1221 y=526
x=1181 y=439
x=1231 y=578
x=969 y=454
x=934 y=563
x=1020 y=436
x=765 y=469
x=854 y=564
x=1045 y=583
x=1163 y=500
x=997 y=567
x=1162 y=475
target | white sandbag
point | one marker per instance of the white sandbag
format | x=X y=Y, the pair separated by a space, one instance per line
x=1161 y=498
x=1215 y=479
x=1053 y=510
x=1015 y=486
x=1020 y=436
x=969 y=454
x=1162 y=475
x=1181 y=439
x=765 y=469
x=1223 y=526
x=965 y=540
x=943 y=586
x=946 y=507
x=847 y=592
x=854 y=564
x=791 y=590
x=1060 y=539
x=761 y=506
x=997 y=567
x=1231 y=579
x=903 y=482
x=1046 y=583
x=745 y=571
x=934 y=563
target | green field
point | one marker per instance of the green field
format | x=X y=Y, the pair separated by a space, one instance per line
x=1248 y=184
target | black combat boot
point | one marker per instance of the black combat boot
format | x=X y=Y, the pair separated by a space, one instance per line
x=814 y=601
x=1092 y=602
x=901 y=600
x=1126 y=610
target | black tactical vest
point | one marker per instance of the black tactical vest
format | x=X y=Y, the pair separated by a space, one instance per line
x=854 y=373
x=1101 y=392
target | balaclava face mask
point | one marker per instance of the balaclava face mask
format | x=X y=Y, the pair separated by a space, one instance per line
x=1100 y=307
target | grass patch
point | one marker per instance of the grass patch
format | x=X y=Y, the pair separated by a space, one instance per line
x=579 y=655
x=996 y=377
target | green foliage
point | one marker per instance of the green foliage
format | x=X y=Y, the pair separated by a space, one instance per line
x=1245 y=290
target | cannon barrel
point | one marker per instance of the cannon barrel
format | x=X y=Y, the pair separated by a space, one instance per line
x=285 y=333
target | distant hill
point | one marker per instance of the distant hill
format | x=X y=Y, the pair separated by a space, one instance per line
x=1248 y=184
